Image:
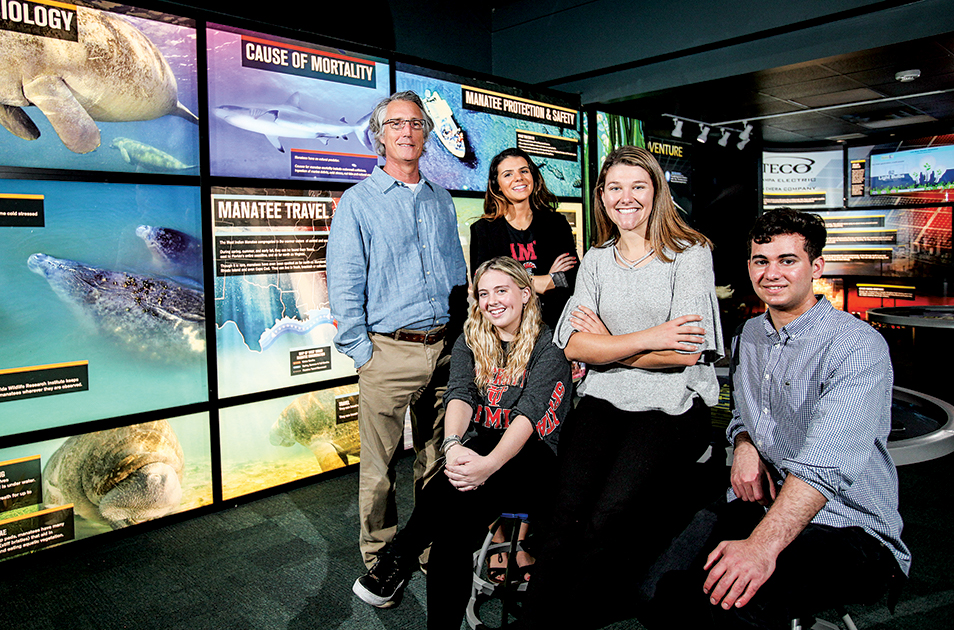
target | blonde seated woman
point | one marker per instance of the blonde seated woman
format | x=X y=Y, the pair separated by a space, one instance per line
x=507 y=397
x=520 y=220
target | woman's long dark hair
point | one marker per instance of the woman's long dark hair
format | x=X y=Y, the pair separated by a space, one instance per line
x=495 y=204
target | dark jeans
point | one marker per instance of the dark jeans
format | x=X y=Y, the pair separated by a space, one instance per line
x=455 y=523
x=623 y=477
x=822 y=568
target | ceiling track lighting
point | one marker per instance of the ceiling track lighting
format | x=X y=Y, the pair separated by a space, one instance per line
x=724 y=140
x=705 y=128
x=745 y=136
x=677 y=129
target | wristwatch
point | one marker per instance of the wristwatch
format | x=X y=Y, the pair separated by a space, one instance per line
x=448 y=442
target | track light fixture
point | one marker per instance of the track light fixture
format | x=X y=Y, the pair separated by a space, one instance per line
x=745 y=136
x=703 y=133
x=705 y=128
x=724 y=140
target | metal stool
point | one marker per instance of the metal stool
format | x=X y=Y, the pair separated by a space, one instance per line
x=507 y=591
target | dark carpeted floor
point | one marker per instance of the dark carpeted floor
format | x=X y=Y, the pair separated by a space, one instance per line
x=288 y=561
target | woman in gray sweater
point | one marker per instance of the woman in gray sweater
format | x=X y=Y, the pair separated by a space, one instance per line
x=644 y=317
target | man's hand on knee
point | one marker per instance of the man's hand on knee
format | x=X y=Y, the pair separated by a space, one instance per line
x=737 y=569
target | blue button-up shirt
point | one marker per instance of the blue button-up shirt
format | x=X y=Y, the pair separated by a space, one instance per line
x=393 y=257
x=815 y=398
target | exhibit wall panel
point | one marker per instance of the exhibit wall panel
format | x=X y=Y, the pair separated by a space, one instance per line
x=99 y=90
x=887 y=213
x=70 y=488
x=476 y=119
x=104 y=307
x=674 y=156
x=285 y=109
x=206 y=156
x=893 y=242
x=287 y=439
x=273 y=321
x=803 y=179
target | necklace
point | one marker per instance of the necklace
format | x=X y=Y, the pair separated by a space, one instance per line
x=629 y=264
x=520 y=222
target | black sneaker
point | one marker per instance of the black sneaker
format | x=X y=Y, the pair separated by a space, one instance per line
x=383 y=585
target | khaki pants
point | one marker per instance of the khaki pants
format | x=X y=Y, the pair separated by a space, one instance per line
x=399 y=374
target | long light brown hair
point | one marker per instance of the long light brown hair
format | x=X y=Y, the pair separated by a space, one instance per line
x=481 y=336
x=495 y=204
x=667 y=230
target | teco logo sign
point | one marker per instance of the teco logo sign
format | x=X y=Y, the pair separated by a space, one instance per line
x=787 y=165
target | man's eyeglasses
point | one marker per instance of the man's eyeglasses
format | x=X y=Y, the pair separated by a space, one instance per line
x=398 y=123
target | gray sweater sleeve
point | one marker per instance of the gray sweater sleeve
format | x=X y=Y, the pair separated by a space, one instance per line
x=693 y=293
x=460 y=381
x=547 y=392
x=629 y=300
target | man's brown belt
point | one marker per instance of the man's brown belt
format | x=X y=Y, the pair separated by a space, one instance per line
x=427 y=337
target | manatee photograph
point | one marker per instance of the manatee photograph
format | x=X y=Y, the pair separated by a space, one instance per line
x=124 y=476
x=261 y=120
x=121 y=97
x=113 y=279
x=277 y=441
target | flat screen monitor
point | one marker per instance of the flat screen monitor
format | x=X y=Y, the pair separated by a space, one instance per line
x=286 y=109
x=913 y=172
x=474 y=120
x=930 y=169
x=124 y=94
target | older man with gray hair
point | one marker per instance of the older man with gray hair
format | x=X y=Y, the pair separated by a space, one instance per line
x=394 y=261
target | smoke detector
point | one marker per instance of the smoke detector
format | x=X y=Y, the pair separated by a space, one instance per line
x=906 y=76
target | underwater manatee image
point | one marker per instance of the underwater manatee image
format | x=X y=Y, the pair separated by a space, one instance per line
x=177 y=253
x=146 y=157
x=118 y=477
x=311 y=420
x=114 y=73
x=155 y=316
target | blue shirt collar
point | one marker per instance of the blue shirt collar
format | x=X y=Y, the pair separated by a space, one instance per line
x=801 y=324
x=385 y=183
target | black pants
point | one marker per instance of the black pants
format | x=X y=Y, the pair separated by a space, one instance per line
x=623 y=478
x=822 y=568
x=455 y=523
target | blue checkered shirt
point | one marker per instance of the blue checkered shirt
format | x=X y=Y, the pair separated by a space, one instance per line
x=815 y=398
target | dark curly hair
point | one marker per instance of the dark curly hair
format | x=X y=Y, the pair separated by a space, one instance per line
x=788 y=221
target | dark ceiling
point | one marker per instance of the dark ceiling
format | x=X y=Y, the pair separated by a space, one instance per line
x=835 y=81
